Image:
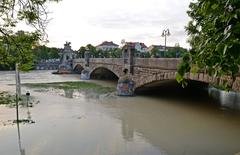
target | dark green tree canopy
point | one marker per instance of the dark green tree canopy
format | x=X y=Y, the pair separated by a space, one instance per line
x=44 y=53
x=214 y=34
x=17 y=48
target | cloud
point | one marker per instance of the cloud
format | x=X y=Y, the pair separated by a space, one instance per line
x=94 y=21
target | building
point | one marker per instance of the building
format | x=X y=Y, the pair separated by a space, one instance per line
x=106 y=46
x=138 y=46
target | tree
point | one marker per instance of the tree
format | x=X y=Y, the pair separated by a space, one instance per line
x=33 y=13
x=81 y=52
x=175 y=52
x=214 y=35
x=93 y=51
x=155 y=53
x=116 y=53
x=17 y=49
x=45 y=53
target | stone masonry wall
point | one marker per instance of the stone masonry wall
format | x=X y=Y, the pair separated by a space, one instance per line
x=148 y=70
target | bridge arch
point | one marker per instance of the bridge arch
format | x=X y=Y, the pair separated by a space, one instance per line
x=103 y=72
x=78 y=68
x=158 y=77
x=166 y=77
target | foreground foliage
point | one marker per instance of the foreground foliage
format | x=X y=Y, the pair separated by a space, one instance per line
x=214 y=35
x=31 y=12
x=15 y=47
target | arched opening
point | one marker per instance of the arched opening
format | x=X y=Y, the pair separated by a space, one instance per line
x=172 y=90
x=78 y=69
x=103 y=74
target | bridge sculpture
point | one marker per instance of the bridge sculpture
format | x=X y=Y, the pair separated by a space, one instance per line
x=137 y=72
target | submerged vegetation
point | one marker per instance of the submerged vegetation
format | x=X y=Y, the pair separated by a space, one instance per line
x=6 y=98
x=10 y=100
x=80 y=85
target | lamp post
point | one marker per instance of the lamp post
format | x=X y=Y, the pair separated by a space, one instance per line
x=165 y=33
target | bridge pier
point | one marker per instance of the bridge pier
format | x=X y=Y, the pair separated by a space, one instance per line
x=85 y=74
x=125 y=85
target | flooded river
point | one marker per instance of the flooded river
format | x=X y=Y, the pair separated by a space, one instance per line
x=74 y=123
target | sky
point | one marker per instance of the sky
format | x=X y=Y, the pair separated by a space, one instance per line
x=93 y=21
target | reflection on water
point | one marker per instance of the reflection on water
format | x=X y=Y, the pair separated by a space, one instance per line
x=169 y=122
x=21 y=149
x=75 y=93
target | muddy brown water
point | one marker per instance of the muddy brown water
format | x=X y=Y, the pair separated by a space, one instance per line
x=73 y=122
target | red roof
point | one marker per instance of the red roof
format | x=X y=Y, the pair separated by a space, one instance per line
x=134 y=43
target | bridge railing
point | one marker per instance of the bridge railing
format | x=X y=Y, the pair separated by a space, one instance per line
x=161 y=63
x=80 y=60
x=115 y=61
x=118 y=61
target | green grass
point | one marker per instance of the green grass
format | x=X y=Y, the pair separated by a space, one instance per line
x=80 y=85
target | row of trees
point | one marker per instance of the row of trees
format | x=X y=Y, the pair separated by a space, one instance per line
x=172 y=52
x=44 y=53
x=96 y=53
x=33 y=52
x=23 y=48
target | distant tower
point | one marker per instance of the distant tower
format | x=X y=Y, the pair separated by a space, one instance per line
x=67 y=56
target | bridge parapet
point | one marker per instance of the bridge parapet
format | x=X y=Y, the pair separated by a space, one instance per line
x=158 y=63
x=112 y=61
x=78 y=60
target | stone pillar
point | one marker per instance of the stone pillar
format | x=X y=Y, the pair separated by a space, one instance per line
x=128 y=58
x=87 y=57
x=131 y=60
x=85 y=74
x=126 y=85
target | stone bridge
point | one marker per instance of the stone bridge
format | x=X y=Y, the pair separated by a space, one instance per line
x=142 y=71
x=47 y=65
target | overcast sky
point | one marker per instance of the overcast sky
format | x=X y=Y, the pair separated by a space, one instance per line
x=93 y=21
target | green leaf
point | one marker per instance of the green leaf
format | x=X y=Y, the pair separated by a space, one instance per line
x=214 y=6
x=225 y=49
x=236 y=29
x=179 y=78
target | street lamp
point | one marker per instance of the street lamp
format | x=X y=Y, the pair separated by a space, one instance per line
x=165 y=33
